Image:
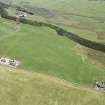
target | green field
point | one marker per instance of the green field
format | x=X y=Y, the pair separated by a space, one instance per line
x=54 y=70
x=40 y=48
x=83 y=16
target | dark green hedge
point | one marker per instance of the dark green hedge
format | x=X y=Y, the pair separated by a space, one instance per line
x=87 y=43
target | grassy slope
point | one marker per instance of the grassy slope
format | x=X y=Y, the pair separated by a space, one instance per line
x=80 y=6
x=25 y=88
x=40 y=49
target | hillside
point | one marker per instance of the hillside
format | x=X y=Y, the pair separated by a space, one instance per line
x=60 y=48
x=40 y=49
x=19 y=87
x=83 y=17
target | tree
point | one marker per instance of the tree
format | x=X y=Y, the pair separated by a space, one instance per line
x=3 y=10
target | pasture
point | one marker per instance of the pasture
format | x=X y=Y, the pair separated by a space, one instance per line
x=19 y=87
x=40 y=49
x=53 y=70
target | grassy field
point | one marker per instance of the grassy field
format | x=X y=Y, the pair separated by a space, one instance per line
x=40 y=49
x=54 y=70
x=83 y=17
x=19 y=87
x=87 y=16
x=81 y=6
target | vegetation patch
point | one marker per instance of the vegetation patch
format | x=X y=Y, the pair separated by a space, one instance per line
x=93 y=56
x=21 y=87
x=58 y=57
